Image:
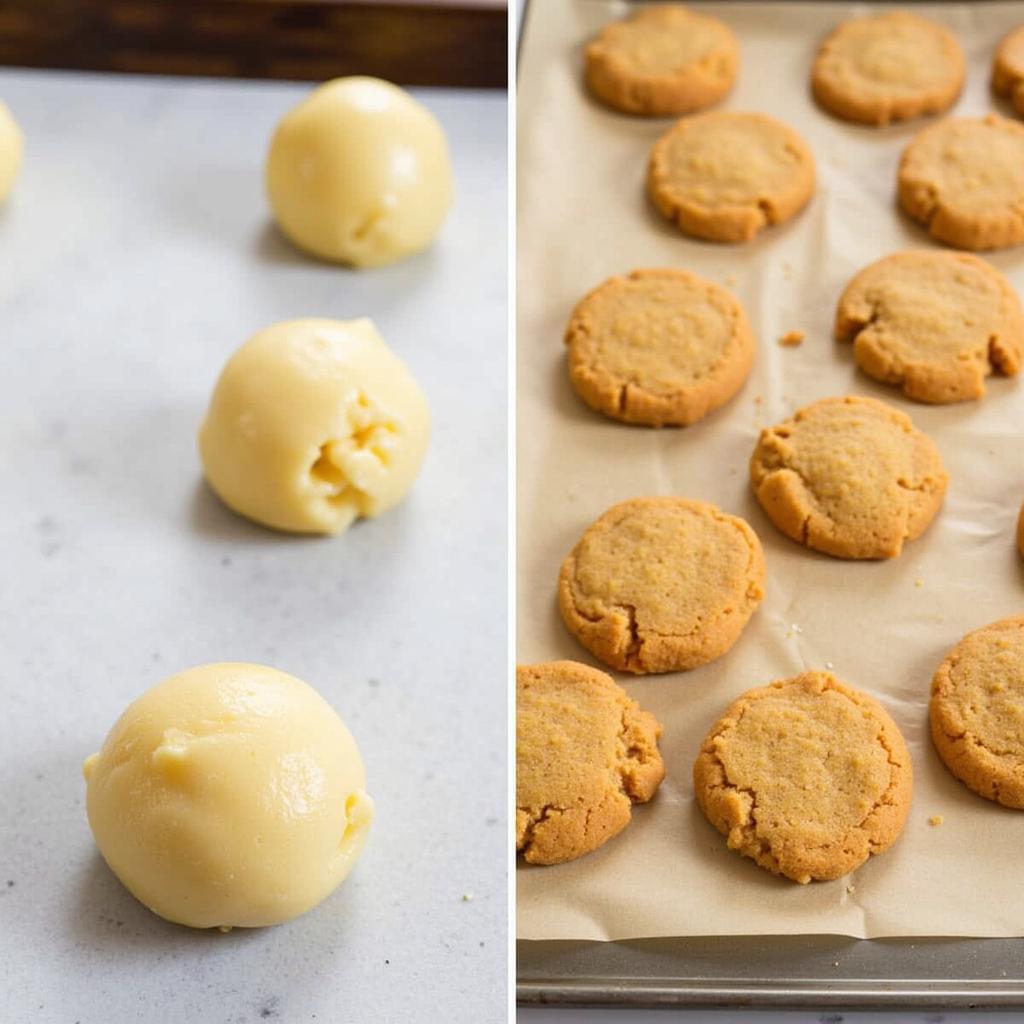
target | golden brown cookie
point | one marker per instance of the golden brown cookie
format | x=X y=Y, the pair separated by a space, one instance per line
x=1008 y=68
x=658 y=347
x=662 y=60
x=725 y=176
x=963 y=178
x=851 y=477
x=661 y=584
x=936 y=323
x=585 y=753
x=888 y=67
x=977 y=711
x=808 y=777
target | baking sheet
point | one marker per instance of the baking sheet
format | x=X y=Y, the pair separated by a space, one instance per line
x=884 y=627
x=136 y=254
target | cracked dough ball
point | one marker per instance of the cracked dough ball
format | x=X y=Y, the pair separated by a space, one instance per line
x=585 y=753
x=229 y=795
x=313 y=424
x=11 y=145
x=977 y=711
x=661 y=584
x=359 y=173
x=808 y=777
x=851 y=477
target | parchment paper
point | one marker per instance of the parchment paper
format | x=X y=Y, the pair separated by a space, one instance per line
x=885 y=626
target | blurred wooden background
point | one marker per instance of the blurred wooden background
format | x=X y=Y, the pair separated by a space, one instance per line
x=414 y=42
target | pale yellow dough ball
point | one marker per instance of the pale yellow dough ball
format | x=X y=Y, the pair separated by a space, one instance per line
x=11 y=145
x=313 y=424
x=229 y=795
x=359 y=173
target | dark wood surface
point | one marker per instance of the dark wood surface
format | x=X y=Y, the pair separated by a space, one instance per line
x=414 y=42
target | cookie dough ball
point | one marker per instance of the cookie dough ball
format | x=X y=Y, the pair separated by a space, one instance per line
x=658 y=347
x=1008 y=69
x=963 y=179
x=851 y=477
x=585 y=753
x=661 y=584
x=725 y=176
x=313 y=424
x=11 y=145
x=229 y=795
x=888 y=67
x=662 y=60
x=936 y=323
x=977 y=711
x=359 y=173
x=808 y=777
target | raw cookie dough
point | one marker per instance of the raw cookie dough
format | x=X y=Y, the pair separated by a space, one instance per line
x=963 y=178
x=662 y=60
x=585 y=753
x=11 y=146
x=1008 y=68
x=977 y=711
x=936 y=323
x=888 y=67
x=851 y=477
x=314 y=423
x=359 y=173
x=229 y=795
x=724 y=176
x=661 y=584
x=807 y=776
x=658 y=347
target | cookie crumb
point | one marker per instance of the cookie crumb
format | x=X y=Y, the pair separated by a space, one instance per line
x=467 y=897
x=918 y=583
x=829 y=665
x=936 y=819
x=792 y=338
x=851 y=889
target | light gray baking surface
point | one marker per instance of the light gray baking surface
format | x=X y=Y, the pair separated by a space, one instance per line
x=135 y=256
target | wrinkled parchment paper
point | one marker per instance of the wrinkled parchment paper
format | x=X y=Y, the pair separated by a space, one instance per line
x=883 y=627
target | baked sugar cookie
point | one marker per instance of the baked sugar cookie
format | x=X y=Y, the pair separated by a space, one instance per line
x=662 y=60
x=658 y=347
x=725 y=176
x=808 y=777
x=936 y=323
x=888 y=67
x=585 y=753
x=963 y=178
x=977 y=711
x=661 y=584
x=851 y=477
x=1008 y=68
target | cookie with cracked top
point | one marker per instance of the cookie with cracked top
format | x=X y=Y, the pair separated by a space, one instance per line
x=806 y=776
x=585 y=753
x=661 y=584
x=851 y=477
x=977 y=711
x=658 y=347
x=963 y=179
x=934 y=322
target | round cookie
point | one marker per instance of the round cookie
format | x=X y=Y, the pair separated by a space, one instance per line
x=1008 y=68
x=851 y=477
x=725 y=176
x=963 y=179
x=658 y=347
x=977 y=711
x=662 y=60
x=936 y=323
x=807 y=776
x=661 y=584
x=888 y=67
x=585 y=753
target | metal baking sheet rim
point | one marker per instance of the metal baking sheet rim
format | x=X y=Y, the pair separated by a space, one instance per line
x=627 y=973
